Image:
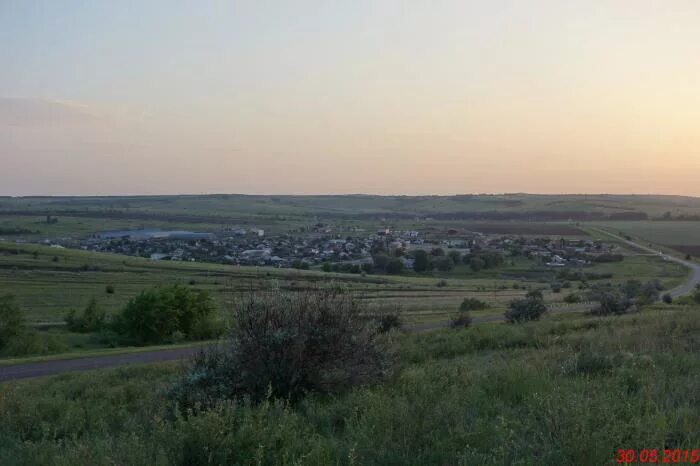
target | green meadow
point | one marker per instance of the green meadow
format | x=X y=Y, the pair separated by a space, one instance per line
x=565 y=390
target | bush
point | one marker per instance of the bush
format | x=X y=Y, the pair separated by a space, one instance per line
x=572 y=298
x=667 y=298
x=286 y=344
x=109 y=289
x=522 y=310
x=92 y=320
x=441 y=283
x=156 y=314
x=611 y=303
x=535 y=294
x=472 y=304
x=11 y=321
x=461 y=319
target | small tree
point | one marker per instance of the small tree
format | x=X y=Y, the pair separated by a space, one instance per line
x=572 y=298
x=535 y=294
x=109 y=289
x=667 y=298
x=476 y=264
x=437 y=252
x=92 y=319
x=443 y=263
x=455 y=256
x=394 y=266
x=421 y=262
x=522 y=310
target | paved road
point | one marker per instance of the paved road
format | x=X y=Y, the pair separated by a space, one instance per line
x=681 y=290
x=44 y=368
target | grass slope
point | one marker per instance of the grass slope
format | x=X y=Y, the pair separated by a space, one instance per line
x=567 y=390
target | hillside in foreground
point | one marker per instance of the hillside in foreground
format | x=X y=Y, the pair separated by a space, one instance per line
x=565 y=390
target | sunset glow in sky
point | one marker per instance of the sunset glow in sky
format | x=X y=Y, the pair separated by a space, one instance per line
x=362 y=96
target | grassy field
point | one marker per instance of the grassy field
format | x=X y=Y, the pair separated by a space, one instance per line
x=48 y=282
x=234 y=207
x=566 y=390
x=682 y=236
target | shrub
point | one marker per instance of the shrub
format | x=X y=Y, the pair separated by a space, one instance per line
x=522 y=310
x=556 y=287
x=11 y=321
x=461 y=319
x=109 y=289
x=156 y=314
x=441 y=283
x=93 y=319
x=472 y=304
x=535 y=294
x=667 y=298
x=572 y=298
x=285 y=344
x=611 y=303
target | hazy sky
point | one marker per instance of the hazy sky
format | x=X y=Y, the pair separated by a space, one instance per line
x=405 y=97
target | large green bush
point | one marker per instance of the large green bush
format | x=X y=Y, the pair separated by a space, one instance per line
x=522 y=310
x=285 y=344
x=159 y=314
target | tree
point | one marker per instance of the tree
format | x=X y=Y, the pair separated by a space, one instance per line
x=394 y=266
x=667 y=298
x=535 y=294
x=11 y=321
x=455 y=256
x=522 y=310
x=92 y=319
x=421 y=263
x=437 y=252
x=476 y=264
x=381 y=261
x=443 y=263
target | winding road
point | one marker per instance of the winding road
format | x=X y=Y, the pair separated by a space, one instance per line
x=681 y=290
x=45 y=368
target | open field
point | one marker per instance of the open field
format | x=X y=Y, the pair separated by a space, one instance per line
x=48 y=282
x=681 y=236
x=566 y=390
x=218 y=209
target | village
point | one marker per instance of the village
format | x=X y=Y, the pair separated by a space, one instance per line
x=355 y=250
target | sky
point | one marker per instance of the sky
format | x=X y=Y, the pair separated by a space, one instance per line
x=365 y=96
